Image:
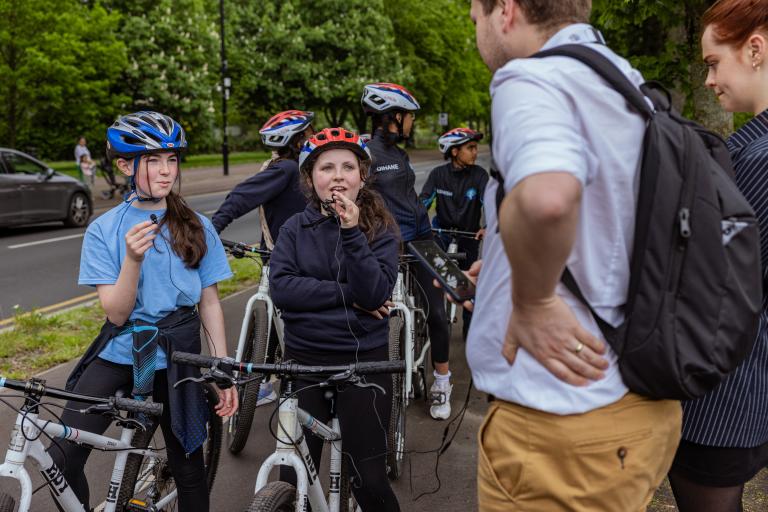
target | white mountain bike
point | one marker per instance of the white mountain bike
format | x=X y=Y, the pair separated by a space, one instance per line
x=141 y=479
x=292 y=447
x=260 y=341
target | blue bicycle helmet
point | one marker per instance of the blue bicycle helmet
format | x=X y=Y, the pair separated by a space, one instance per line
x=142 y=133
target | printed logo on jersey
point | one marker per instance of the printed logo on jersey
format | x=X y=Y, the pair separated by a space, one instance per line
x=471 y=193
x=390 y=167
x=446 y=193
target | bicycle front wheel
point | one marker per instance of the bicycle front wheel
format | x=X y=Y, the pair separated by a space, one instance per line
x=396 y=429
x=7 y=503
x=149 y=479
x=274 y=497
x=255 y=352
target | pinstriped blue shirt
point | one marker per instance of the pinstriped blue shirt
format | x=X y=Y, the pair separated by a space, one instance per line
x=735 y=414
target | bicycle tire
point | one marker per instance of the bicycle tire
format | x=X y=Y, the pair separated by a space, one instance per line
x=7 y=503
x=420 y=338
x=274 y=497
x=396 y=429
x=256 y=350
x=157 y=468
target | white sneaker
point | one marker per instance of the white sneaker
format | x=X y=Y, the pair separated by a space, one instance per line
x=267 y=394
x=440 y=395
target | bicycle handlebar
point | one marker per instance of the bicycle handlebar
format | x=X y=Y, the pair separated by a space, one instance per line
x=454 y=232
x=37 y=387
x=410 y=258
x=239 y=246
x=228 y=365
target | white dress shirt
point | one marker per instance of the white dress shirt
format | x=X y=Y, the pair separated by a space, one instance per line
x=557 y=115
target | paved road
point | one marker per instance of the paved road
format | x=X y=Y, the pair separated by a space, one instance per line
x=237 y=475
x=40 y=263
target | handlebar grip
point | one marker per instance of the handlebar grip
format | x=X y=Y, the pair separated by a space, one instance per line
x=150 y=408
x=369 y=368
x=198 y=360
x=458 y=256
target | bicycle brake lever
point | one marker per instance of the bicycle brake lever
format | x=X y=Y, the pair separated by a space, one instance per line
x=369 y=385
x=222 y=379
x=131 y=422
x=104 y=409
x=189 y=379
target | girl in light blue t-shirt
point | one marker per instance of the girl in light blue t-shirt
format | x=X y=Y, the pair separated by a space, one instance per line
x=155 y=265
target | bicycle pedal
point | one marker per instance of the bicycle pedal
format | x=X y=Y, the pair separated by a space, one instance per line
x=136 y=505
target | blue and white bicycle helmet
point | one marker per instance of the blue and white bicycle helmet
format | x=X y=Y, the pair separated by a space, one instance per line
x=383 y=97
x=142 y=133
x=280 y=129
x=457 y=137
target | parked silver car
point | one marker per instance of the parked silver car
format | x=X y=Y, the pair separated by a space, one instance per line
x=32 y=192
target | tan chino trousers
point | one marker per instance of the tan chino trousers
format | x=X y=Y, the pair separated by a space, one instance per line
x=609 y=459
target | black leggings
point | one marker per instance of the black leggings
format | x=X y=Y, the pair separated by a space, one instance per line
x=437 y=320
x=363 y=417
x=471 y=248
x=103 y=378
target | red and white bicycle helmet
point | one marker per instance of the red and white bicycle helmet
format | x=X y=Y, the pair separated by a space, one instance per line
x=382 y=97
x=277 y=132
x=457 y=137
x=333 y=138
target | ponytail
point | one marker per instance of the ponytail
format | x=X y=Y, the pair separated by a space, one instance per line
x=186 y=229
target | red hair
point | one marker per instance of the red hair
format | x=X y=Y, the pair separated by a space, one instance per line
x=733 y=21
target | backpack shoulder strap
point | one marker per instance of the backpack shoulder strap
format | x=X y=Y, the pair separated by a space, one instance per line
x=606 y=69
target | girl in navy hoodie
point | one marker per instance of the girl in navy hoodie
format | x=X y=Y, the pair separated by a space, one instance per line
x=332 y=272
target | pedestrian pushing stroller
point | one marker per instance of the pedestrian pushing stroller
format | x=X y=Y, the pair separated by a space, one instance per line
x=109 y=176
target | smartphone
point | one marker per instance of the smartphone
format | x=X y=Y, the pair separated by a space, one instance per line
x=445 y=270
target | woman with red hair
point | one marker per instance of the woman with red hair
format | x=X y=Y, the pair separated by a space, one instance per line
x=725 y=433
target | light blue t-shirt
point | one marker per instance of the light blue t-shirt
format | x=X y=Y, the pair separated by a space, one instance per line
x=165 y=283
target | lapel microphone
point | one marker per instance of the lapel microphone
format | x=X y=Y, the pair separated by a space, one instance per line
x=153 y=218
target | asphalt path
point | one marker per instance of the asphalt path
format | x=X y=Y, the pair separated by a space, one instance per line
x=451 y=483
x=39 y=264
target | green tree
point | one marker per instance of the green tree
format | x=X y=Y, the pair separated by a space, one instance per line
x=59 y=62
x=314 y=55
x=662 y=39
x=172 y=48
x=437 y=42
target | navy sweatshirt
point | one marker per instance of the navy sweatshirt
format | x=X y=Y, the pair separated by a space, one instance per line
x=317 y=309
x=393 y=177
x=276 y=188
x=459 y=196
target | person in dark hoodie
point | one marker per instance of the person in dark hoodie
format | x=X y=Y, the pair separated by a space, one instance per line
x=457 y=189
x=276 y=188
x=393 y=109
x=333 y=270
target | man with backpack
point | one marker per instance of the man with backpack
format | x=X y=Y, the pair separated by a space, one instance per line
x=584 y=416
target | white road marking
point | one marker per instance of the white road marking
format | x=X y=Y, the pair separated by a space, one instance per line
x=47 y=241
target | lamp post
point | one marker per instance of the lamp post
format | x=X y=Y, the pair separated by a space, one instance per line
x=226 y=83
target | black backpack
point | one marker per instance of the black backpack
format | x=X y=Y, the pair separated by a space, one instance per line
x=695 y=285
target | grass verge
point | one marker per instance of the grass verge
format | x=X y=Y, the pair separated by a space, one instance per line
x=38 y=342
x=190 y=162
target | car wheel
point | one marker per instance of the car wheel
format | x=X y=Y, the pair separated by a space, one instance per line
x=78 y=210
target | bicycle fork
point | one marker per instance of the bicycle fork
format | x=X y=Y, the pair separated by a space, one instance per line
x=302 y=464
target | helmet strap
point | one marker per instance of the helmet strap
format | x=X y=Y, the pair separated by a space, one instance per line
x=135 y=186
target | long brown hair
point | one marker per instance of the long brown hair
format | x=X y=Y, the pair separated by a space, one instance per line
x=374 y=215
x=187 y=232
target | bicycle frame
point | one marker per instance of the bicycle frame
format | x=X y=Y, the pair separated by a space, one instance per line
x=406 y=303
x=309 y=490
x=272 y=314
x=29 y=426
